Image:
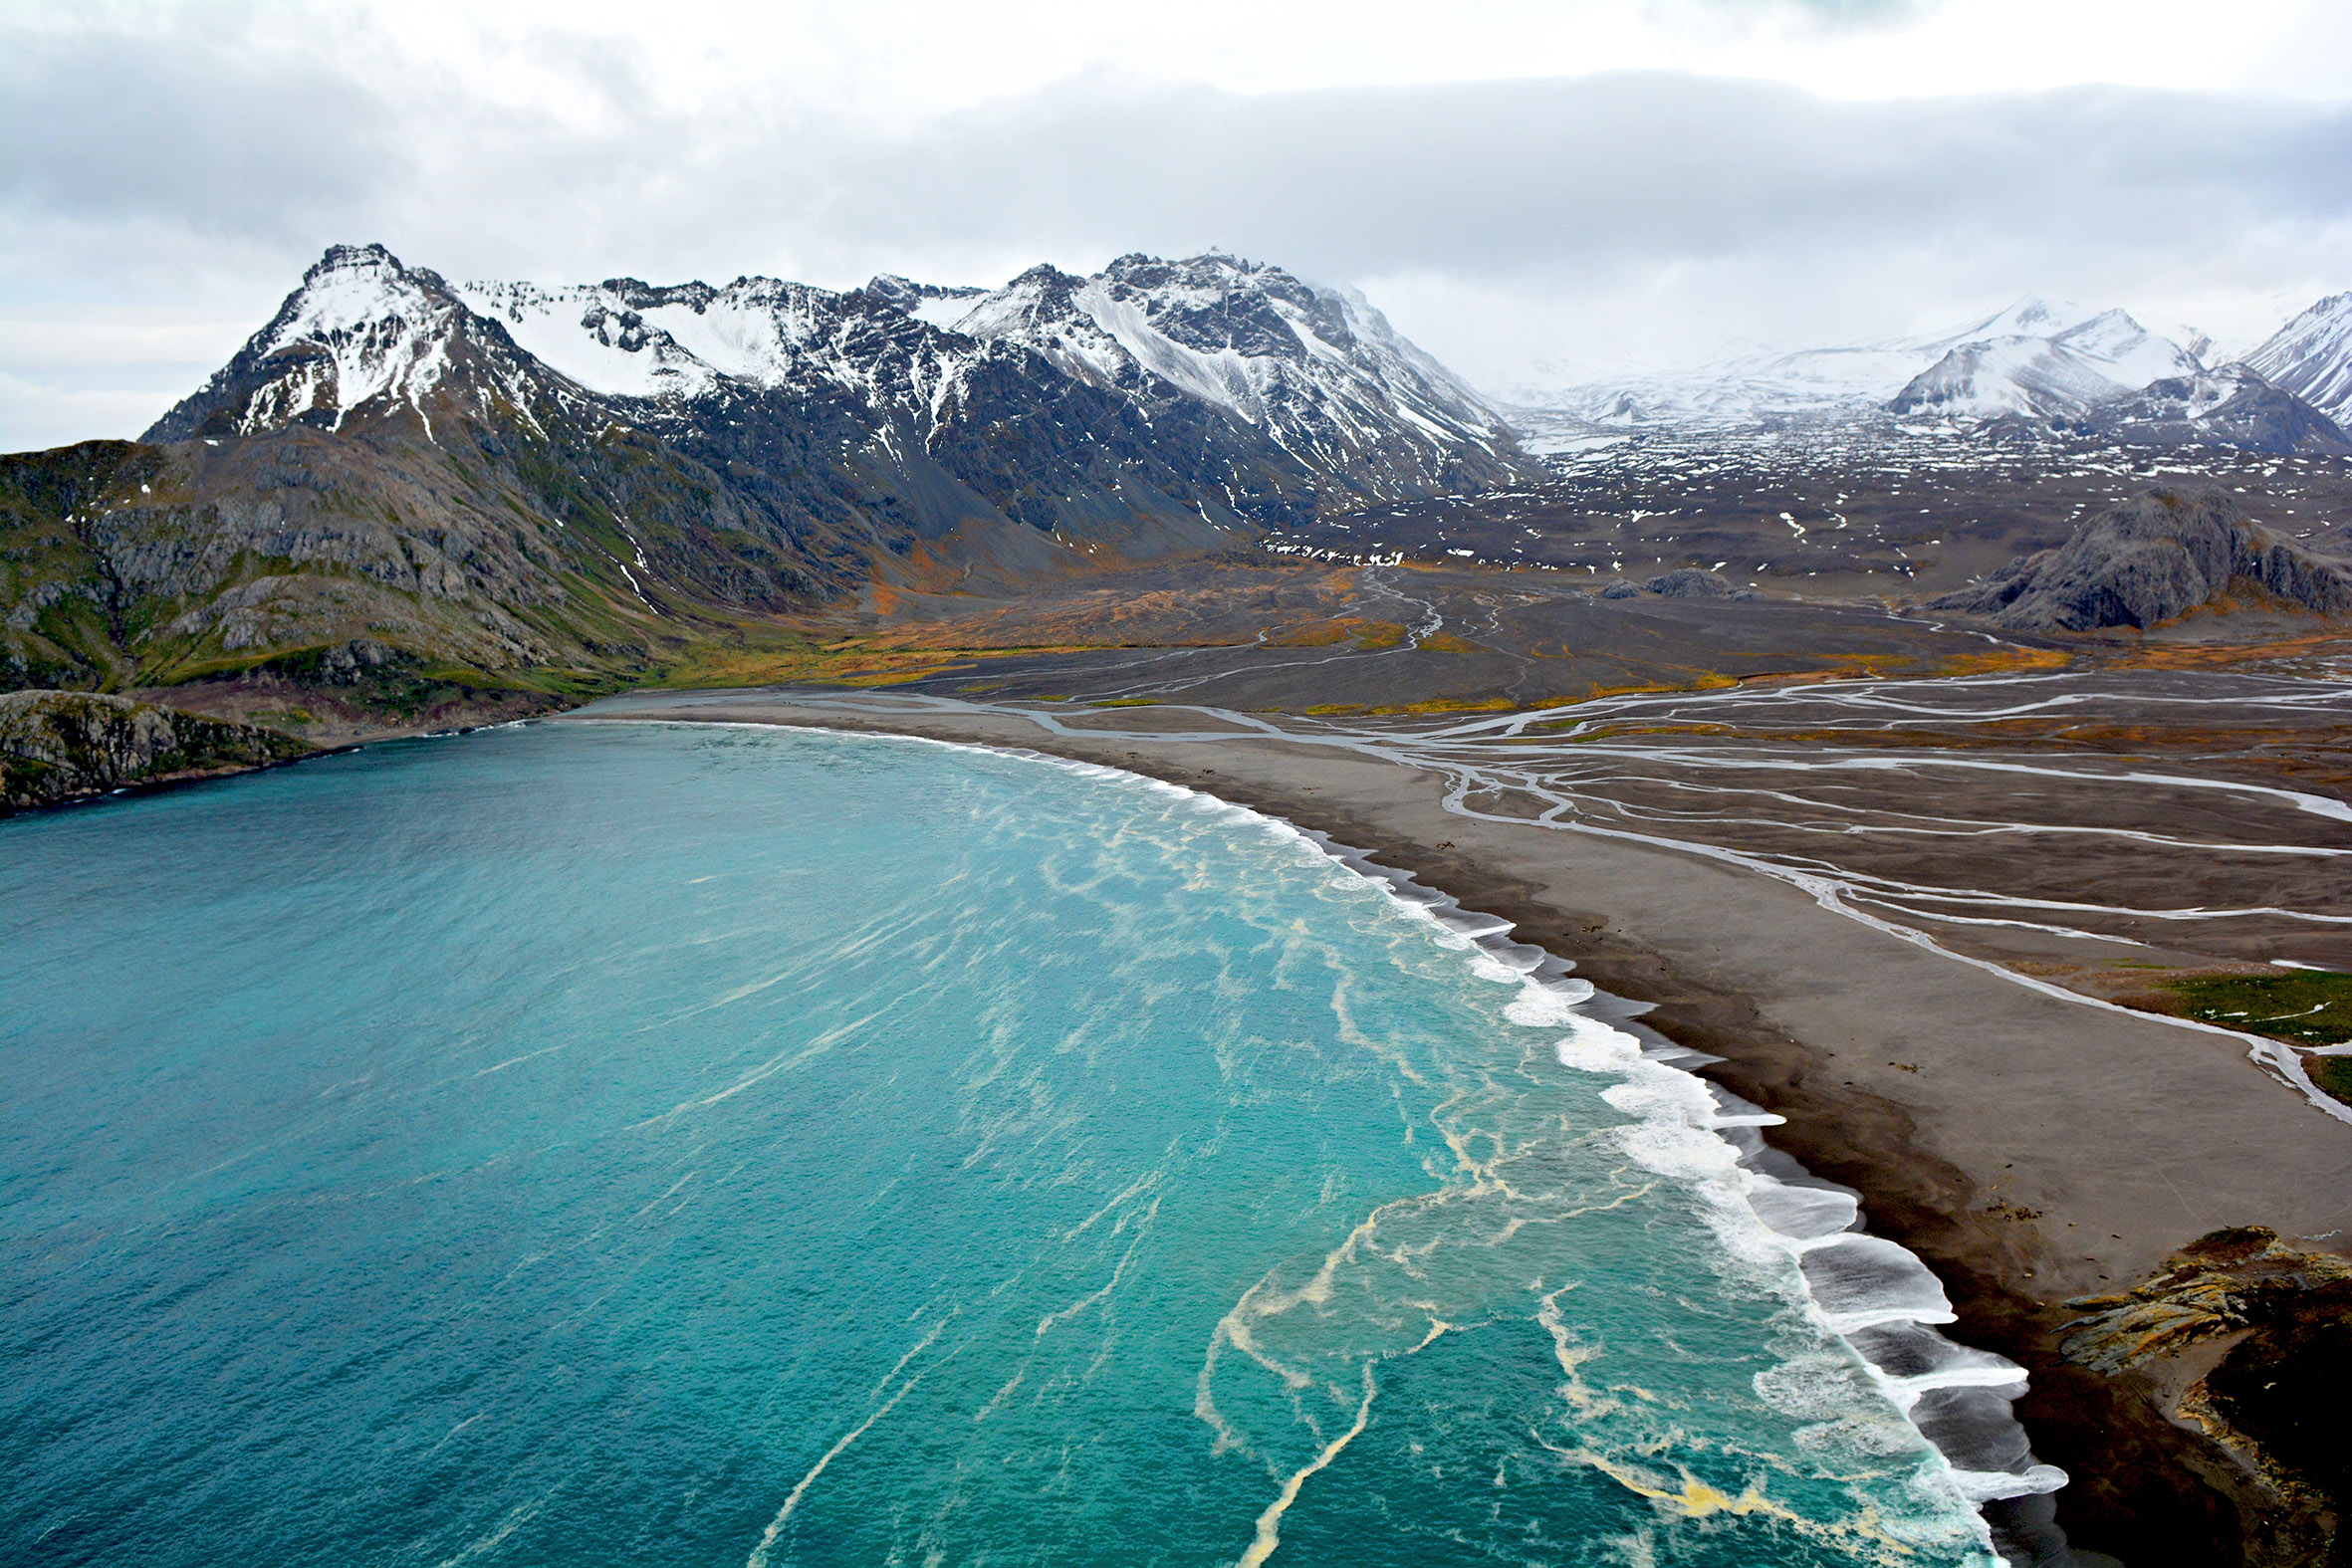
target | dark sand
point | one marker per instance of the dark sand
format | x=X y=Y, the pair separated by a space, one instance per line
x=2029 y=1148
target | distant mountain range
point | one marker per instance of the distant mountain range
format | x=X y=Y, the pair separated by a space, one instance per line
x=567 y=487
x=500 y=475
x=2040 y=362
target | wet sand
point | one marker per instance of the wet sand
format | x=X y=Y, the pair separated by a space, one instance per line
x=2029 y=1149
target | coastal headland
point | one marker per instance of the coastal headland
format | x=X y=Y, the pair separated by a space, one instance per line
x=2044 y=1152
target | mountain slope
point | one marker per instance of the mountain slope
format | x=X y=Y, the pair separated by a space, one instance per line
x=2311 y=357
x=774 y=377
x=2064 y=373
x=1318 y=371
x=2230 y=406
x=562 y=484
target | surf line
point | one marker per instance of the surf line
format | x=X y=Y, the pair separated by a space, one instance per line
x=2013 y=1504
x=1269 y=1523
x=759 y=1556
x=2025 y=1534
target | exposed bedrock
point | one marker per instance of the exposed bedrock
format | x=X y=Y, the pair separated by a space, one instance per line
x=59 y=745
x=2150 y=558
x=2245 y=1338
x=1685 y=583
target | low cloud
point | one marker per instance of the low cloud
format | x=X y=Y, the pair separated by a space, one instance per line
x=1521 y=229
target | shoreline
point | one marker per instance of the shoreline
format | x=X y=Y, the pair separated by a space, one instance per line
x=1911 y=1368
x=159 y=784
x=1981 y=1168
x=1956 y=1397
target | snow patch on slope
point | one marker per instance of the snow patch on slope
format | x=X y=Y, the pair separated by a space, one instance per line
x=580 y=333
x=361 y=326
x=1318 y=369
x=2311 y=357
x=678 y=342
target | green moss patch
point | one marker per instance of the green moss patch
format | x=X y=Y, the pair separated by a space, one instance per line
x=2305 y=1006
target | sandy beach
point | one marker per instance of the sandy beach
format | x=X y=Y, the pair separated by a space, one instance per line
x=2030 y=1148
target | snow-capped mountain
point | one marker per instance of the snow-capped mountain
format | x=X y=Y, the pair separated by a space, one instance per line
x=495 y=473
x=2044 y=377
x=1284 y=387
x=1319 y=371
x=362 y=331
x=2311 y=357
x=1316 y=373
x=2041 y=362
x=1747 y=390
x=855 y=429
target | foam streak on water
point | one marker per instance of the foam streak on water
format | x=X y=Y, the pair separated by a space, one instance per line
x=686 y=1143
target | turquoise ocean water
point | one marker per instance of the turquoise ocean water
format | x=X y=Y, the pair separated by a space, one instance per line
x=648 y=1144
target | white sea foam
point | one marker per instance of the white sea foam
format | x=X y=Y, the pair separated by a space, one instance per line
x=1804 y=1215
x=1872 y=1293
x=1762 y=1205
x=1861 y=1282
x=1551 y=1005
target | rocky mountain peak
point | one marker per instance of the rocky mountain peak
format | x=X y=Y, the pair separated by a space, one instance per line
x=1037 y=299
x=1315 y=368
x=360 y=328
x=2311 y=357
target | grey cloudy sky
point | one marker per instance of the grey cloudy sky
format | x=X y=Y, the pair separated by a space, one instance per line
x=1533 y=191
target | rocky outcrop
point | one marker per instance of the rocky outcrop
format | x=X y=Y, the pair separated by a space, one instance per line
x=2150 y=558
x=2231 y=406
x=60 y=746
x=2246 y=1339
x=1685 y=583
x=1689 y=582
